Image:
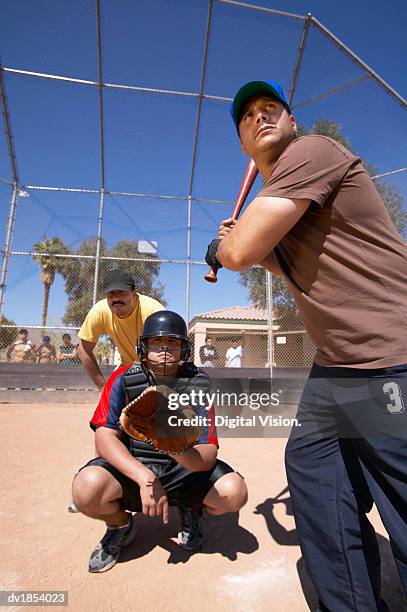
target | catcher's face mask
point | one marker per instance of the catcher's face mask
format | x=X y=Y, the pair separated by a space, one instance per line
x=163 y=354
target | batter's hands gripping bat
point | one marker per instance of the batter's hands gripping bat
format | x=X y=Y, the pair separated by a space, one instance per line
x=247 y=183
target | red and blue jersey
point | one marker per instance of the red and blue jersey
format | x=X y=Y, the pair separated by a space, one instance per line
x=113 y=399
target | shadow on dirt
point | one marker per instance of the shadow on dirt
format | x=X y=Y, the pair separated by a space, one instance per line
x=223 y=535
x=391 y=587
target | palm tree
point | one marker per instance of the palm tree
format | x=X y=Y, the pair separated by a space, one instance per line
x=50 y=266
x=79 y=274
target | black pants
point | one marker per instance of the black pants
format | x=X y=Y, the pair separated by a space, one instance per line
x=350 y=451
x=182 y=486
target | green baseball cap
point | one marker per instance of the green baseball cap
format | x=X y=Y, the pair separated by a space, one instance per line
x=255 y=88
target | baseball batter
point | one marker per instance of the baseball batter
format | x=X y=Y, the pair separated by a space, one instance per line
x=320 y=223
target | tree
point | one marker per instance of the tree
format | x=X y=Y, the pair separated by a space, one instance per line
x=392 y=198
x=254 y=279
x=79 y=275
x=104 y=349
x=145 y=273
x=50 y=266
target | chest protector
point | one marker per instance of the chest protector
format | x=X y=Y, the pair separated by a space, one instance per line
x=135 y=381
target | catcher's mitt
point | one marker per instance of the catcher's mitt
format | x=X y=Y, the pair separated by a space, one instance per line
x=146 y=419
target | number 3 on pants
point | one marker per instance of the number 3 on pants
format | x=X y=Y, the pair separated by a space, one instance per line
x=393 y=391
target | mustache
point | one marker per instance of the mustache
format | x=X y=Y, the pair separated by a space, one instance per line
x=117 y=302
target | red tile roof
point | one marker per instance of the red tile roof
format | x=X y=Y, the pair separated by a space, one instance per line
x=243 y=313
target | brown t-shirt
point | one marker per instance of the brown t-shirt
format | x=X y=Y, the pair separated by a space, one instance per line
x=344 y=261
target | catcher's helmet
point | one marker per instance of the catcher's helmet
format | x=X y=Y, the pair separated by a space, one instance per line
x=164 y=323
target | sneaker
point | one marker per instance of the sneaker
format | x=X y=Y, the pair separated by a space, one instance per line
x=191 y=536
x=107 y=552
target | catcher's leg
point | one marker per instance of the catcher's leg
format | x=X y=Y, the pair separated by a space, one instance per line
x=228 y=494
x=96 y=493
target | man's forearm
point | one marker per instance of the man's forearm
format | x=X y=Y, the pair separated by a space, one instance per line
x=92 y=369
x=198 y=459
x=113 y=450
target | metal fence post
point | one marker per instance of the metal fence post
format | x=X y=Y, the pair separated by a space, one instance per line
x=269 y=296
x=7 y=247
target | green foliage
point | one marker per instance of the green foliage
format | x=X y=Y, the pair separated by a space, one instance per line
x=49 y=265
x=325 y=127
x=145 y=272
x=254 y=279
x=103 y=350
x=392 y=198
x=50 y=246
x=79 y=275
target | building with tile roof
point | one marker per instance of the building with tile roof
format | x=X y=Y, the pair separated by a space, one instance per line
x=248 y=325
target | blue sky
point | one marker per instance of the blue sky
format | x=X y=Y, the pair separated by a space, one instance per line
x=149 y=138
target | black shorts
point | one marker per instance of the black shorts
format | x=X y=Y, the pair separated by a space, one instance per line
x=181 y=485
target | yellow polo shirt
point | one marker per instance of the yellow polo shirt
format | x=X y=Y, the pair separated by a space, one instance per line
x=124 y=332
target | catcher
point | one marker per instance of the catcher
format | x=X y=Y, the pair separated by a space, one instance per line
x=133 y=473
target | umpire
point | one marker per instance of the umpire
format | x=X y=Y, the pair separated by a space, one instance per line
x=120 y=315
x=319 y=222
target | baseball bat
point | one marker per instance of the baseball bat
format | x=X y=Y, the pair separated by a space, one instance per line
x=247 y=182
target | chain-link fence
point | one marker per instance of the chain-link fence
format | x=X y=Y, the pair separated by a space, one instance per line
x=117 y=151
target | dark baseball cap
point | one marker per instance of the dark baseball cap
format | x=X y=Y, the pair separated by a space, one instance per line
x=255 y=88
x=118 y=280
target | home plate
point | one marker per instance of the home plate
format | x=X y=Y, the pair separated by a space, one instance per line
x=255 y=585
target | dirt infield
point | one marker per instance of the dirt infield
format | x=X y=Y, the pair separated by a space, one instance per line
x=250 y=563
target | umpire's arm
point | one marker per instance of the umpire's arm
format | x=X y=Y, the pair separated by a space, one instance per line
x=89 y=362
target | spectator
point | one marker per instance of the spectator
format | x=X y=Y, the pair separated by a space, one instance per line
x=234 y=356
x=22 y=350
x=67 y=353
x=116 y=357
x=46 y=351
x=121 y=316
x=208 y=353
